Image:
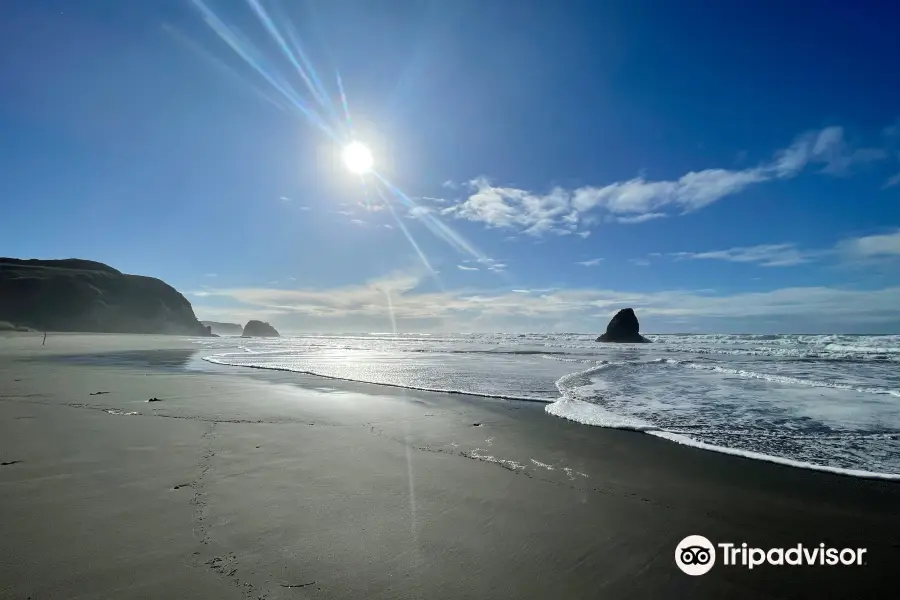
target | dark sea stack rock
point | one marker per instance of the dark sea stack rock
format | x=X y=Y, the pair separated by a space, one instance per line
x=623 y=328
x=87 y=296
x=259 y=329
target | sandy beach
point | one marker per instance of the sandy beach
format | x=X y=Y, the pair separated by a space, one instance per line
x=247 y=484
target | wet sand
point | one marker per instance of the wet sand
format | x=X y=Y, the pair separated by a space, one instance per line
x=247 y=484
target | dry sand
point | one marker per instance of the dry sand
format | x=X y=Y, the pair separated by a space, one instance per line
x=245 y=484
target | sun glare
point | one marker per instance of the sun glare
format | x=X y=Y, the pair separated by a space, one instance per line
x=357 y=158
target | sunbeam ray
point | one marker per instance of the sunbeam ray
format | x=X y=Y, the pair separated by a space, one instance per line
x=408 y=235
x=246 y=50
x=346 y=106
x=365 y=187
x=270 y=26
x=221 y=66
x=413 y=526
x=294 y=39
x=435 y=225
x=390 y=305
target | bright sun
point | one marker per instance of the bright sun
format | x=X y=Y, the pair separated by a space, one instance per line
x=357 y=158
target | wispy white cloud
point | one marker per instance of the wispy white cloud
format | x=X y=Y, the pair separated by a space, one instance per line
x=793 y=159
x=639 y=262
x=891 y=181
x=583 y=234
x=357 y=221
x=848 y=251
x=872 y=246
x=505 y=207
x=387 y=226
x=418 y=211
x=346 y=213
x=564 y=211
x=291 y=202
x=640 y=218
x=638 y=197
x=486 y=263
x=435 y=200
x=826 y=147
x=590 y=263
x=766 y=255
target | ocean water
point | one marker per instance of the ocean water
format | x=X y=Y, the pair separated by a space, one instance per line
x=828 y=402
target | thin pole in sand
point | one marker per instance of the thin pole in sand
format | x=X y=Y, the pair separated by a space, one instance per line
x=45 y=339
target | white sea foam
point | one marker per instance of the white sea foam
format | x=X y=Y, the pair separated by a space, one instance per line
x=863 y=349
x=592 y=414
x=542 y=465
x=687 y=441
x=478 y=454
x=793 y=380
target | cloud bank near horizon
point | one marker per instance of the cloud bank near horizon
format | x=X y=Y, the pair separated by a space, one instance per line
x=375 y=305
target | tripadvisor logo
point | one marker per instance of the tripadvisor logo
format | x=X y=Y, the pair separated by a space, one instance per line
x=696 y=555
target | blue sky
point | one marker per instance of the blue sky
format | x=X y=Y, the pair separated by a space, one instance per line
x=718 y=166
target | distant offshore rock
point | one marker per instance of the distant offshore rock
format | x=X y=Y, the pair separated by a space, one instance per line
x=7 y=326
x=224 y=328
x=624 y=328
x=259 y=329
